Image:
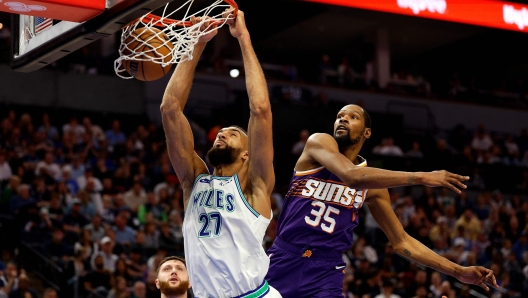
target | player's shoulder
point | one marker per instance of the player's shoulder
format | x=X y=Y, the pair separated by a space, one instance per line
x=318 y=139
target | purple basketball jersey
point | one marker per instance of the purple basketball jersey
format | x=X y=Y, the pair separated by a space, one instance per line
x=320 y=211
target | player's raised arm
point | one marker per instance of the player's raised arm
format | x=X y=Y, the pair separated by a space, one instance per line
x=180 y=143
x=378 y=202
x=324 y=150
x=261 y=177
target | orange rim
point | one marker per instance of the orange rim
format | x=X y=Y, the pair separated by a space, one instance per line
x=164 y=22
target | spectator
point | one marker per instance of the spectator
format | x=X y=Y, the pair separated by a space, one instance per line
x=152 y=241
x=23 y=290
x=85 y=242
x=109 y=259
x=139 y=290
x=73 y=222
x=114 y=136
x=50 y=293
x=481 y=141
x=171 y=184
x=135 y=197
x=387 y=290
x=95 y=131
x=21 y=200
x=439 y=288
x=87 y=206
x=99 y=279
x=119 y=290
x=75 y=129
x=470 y=223
x=96 y=228
x=47 y=168
x=76 y=168
x=5 y=168
x=9 y=192
x=124 y=234
x=440 y=230
x=121 y=271
x=388 y=148
x=93 y=195
x=152 y=207
x=88 y=175
x=444 y=199
x=167 y=239
x=49 y=130
x=9 y=279
x=136 y=264
x=55 y=249
x=370 y=287
x=298 y=147
x=415 y=151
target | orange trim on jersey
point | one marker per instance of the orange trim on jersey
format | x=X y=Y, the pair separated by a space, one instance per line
x=362 y=198
x=309 y=172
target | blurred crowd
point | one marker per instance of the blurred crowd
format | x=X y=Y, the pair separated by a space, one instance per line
x=105 y=207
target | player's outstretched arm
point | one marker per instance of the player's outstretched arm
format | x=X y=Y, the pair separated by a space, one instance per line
x=378 y=202
x=180 y=142
x=323 y=149
x=261 y=177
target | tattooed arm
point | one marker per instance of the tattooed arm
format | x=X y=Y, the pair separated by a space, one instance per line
x=378 y=203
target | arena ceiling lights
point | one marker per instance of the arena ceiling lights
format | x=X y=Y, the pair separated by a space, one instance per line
x=487 y=13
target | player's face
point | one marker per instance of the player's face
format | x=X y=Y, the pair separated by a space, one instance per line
x=172 y=278
x=349 y=126
x=230 y=144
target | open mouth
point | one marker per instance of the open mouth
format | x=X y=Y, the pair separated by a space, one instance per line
x=341 y=128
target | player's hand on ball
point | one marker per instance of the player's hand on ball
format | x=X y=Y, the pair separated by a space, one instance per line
x=445 y=179
x=237 y=25
x=210 y=28
x=477 y=275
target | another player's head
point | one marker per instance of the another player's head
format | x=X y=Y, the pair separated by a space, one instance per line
x=352 y=126
x=172 y=278
x=230 y=146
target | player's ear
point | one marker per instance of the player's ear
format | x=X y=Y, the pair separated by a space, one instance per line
x=367 y=133
x=157 y=283
x=245 y=155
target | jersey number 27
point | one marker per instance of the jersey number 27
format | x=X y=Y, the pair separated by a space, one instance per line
x=319 y=212
x=207 y=219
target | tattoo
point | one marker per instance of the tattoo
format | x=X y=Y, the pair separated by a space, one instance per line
x=456 y=272
x=408 y=253
x=412 y=180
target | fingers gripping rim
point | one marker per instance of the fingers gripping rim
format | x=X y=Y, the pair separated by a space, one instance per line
x=165 y=41
x=163 y=22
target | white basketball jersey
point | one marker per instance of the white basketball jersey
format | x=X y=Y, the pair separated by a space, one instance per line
x=223 y=239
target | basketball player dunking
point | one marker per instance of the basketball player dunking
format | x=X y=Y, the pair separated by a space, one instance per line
x=226 y=213
x=330 y=183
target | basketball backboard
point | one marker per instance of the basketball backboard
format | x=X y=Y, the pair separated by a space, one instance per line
x=37 y=42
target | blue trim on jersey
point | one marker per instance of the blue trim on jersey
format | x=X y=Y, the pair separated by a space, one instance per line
x=244 y=198
x=259 y=292
x=194 y=184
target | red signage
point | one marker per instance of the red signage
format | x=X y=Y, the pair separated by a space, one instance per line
x=488 y=13
x=66 y=10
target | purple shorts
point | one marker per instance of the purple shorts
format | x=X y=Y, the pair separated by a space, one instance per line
x=305 y=272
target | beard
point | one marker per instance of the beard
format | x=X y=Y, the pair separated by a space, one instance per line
x=345 y=141
x=168 y=290
x=222 y=156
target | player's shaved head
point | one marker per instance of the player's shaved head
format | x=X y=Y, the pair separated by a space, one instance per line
x=366 y=117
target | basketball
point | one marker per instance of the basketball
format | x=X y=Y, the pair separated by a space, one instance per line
x=152 y=43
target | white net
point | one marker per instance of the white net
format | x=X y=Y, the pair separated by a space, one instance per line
x=165 y=41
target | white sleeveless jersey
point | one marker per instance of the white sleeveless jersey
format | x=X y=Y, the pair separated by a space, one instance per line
x=223 y=240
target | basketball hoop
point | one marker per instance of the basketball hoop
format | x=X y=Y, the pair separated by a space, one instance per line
x=182 y=34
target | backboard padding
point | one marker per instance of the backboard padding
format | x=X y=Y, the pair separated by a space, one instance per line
x=75 y=35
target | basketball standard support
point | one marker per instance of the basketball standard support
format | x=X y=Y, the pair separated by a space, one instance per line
x=79 y=35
